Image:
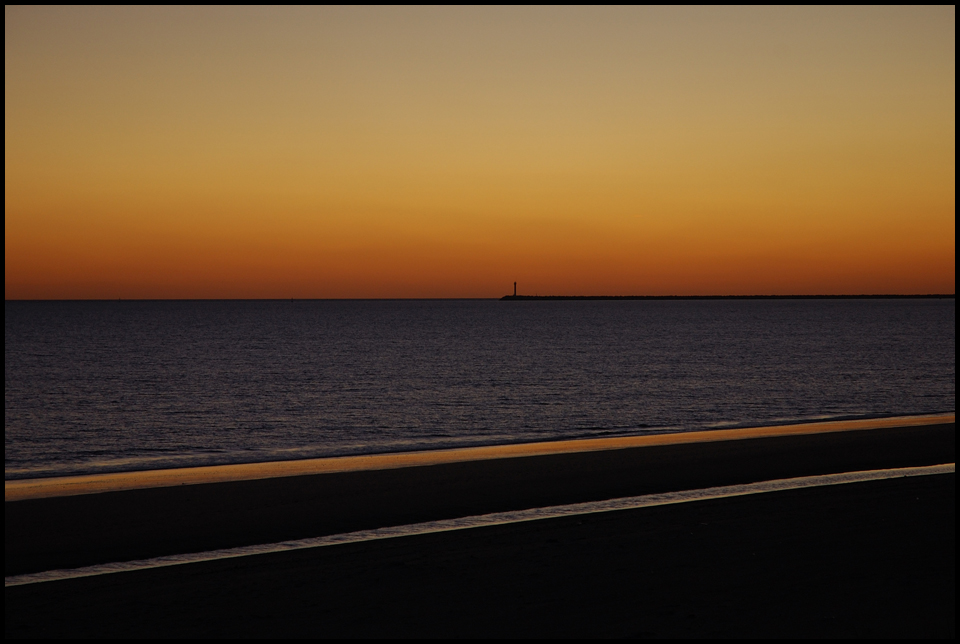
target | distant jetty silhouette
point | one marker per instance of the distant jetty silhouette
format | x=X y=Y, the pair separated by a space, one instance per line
x=724 y=297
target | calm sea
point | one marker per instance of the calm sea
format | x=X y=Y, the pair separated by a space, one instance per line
x=112 y=386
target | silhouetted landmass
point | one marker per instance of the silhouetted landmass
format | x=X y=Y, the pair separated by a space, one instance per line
x=729 y=297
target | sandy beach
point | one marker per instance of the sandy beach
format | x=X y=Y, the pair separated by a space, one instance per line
x=860 y=559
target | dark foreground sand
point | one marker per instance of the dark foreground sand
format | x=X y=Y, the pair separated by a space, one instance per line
x=864 y=559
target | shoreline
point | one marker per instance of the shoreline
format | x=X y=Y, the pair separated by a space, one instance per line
x=53 y=487
x=873 y=559
x=495 y=519
x=864 y=558
x=142 y=521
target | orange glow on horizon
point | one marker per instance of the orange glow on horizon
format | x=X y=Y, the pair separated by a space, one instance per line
x=339 y=153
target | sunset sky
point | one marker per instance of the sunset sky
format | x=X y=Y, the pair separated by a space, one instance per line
x=431 y=152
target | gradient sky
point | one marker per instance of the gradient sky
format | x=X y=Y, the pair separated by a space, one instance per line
x=430 y=152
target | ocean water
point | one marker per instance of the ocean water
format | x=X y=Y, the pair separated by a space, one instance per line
x=114 y=386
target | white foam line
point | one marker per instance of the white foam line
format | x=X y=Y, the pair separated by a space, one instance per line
x=496 y=518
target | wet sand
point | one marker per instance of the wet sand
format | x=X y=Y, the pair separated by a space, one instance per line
x=20 y=490
x=859 y=559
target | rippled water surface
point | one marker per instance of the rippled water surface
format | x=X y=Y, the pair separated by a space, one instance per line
x=107 y=386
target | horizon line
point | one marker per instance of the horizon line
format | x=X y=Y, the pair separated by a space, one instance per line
x=504 y=297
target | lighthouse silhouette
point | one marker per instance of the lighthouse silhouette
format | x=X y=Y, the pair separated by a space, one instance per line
x=514 y=289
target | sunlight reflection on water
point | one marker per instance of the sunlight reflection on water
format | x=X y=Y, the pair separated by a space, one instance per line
x=112 y=386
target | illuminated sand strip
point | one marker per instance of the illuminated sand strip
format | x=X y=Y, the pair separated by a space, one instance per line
x=74 y=485
x=497 y=518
